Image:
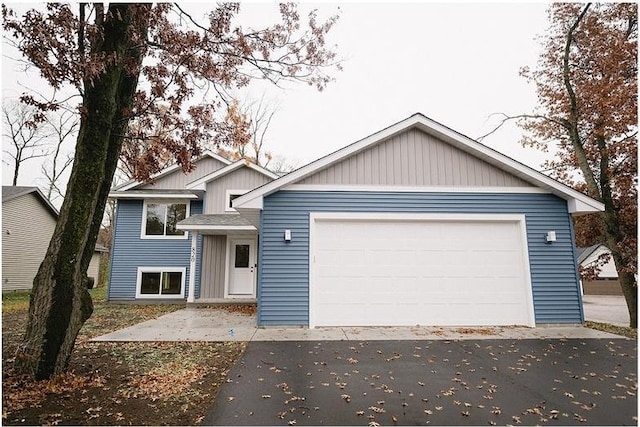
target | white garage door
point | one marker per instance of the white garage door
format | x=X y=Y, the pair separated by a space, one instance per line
x=400 y=270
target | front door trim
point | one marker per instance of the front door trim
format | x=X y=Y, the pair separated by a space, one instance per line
x=230 y=259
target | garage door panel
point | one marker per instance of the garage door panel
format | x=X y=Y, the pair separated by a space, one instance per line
x=432 y=272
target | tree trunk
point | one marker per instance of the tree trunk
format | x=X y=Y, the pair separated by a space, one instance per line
x=16 y=169
x=630 y=292
x=60 y=302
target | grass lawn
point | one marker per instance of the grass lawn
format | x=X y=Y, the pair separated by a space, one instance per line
x=113 y=383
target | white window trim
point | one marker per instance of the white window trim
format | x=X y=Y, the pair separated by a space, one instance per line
x=143 y=226
x=227 y=199
x=141 y=270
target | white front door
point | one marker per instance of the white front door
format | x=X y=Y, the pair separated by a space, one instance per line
x=242 y=268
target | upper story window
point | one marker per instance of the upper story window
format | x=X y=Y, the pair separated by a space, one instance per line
x=161 y=218
x=231 y=196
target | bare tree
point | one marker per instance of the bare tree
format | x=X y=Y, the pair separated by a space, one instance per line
x=260 y=114
x=280 y=165
x=61 y=128
x=23 y=131
x=256 y=116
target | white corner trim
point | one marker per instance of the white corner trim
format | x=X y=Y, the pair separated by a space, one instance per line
x=156 y=269
x=193 y=259
x=414 y=189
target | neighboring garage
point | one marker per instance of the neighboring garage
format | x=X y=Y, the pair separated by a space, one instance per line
x=403 y=269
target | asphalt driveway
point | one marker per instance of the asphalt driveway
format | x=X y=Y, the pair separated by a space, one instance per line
x=466 y=382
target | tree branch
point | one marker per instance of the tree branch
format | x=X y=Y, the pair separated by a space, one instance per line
x=574 y=134
x=506 y=118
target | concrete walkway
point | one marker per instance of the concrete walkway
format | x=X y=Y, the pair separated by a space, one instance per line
x=205 y=324
x=610 y=309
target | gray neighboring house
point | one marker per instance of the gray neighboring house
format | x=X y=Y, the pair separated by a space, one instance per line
x=28 y=222
x=607 y=282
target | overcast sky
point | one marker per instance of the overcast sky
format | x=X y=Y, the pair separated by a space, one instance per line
x=457 y=63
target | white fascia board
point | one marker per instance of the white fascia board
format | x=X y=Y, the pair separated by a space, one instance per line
x=261 y=170
x=414 y=189
x=200 y=183
x=253 y=204
x=577 y=206
x=195 y=227
x=323 y=162
x=118 y=195
x=578 y=202
x=172 y=168
x=402 y=216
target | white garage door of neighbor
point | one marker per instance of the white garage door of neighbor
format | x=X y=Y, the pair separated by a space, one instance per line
x=402 y=270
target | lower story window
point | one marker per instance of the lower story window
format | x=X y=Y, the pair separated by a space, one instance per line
x=161 y=282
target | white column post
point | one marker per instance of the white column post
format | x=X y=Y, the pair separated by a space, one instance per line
x=192 y=267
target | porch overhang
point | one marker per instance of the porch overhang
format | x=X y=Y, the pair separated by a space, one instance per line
x=157 y=194
x=216 y=224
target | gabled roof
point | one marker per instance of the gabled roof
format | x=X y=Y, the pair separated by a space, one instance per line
x=169 y=169
x=200 y=183
x=10 y=192
x=583 y=253
x=577 y=201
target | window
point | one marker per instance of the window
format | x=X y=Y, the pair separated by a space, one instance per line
x=231 y=196
x=160 y=220
x=160 y=282
x=242 y=256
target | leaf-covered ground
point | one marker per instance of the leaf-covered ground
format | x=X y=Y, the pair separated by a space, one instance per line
x=114 y=383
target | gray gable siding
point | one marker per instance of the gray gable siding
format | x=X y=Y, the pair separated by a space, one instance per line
x=414 y=158
x=283 y=287
x=179 y=180
x=242 y=178
x=27 y=227
x=129 y=251
x=214 y=256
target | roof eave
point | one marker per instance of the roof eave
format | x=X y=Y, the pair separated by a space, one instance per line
x=203 y=227
x=158 y=195
x=578 y=203
x=133 y=184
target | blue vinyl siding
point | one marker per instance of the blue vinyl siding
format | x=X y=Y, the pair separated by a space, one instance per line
x=130 y=251
x=283 y=288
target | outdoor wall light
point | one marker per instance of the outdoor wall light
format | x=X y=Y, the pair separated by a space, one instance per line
x=287 y=235
x=551 y=236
